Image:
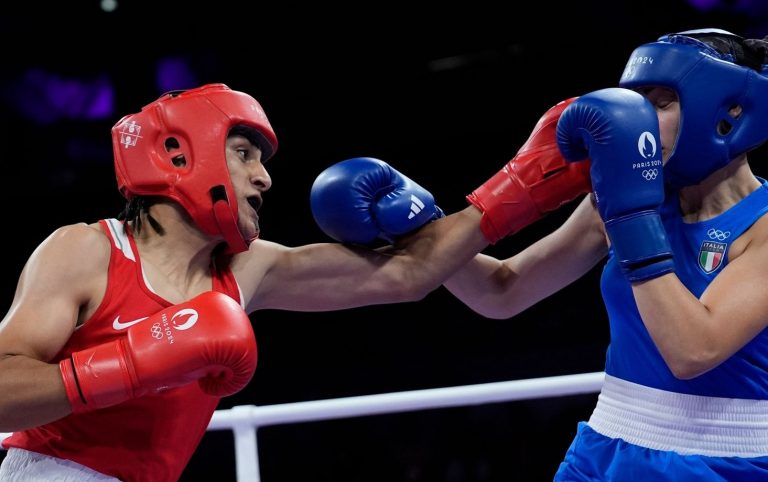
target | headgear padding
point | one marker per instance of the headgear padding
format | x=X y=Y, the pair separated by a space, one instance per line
x=709 y=83
x=176 y=148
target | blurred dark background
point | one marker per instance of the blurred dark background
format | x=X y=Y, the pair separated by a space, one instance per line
x=445 y=94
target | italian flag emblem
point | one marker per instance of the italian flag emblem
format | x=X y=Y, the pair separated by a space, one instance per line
x=711 y=255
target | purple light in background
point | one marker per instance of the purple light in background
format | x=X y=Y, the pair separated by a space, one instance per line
x=88 y=151
x=174 y=73
x=704 y=4
x=46 y=98
x=752 y=7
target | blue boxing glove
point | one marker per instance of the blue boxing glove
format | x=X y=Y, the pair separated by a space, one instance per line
x=619 y=131
x=364 y=199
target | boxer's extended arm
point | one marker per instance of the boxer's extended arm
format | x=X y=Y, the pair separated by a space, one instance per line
x=359 y=201
x=331 y=276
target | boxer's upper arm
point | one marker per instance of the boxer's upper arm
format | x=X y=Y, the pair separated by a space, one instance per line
x=66 y=273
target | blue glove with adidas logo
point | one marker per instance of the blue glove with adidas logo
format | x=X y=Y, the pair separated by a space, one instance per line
x=362 y=200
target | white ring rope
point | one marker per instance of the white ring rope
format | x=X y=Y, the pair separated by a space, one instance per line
x=258 y=416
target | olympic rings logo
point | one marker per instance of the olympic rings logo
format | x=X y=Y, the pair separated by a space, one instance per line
x=717 y=234
x=650 y=174
x=157 y=331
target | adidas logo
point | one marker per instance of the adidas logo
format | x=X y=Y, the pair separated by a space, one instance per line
x=416 y=206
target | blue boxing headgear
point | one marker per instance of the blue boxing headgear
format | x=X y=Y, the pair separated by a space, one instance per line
x=711 y=71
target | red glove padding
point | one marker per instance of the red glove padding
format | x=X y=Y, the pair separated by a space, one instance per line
x=208 y=339
x=536 y=181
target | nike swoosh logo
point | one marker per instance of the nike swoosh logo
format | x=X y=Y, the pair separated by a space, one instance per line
x=118 y=325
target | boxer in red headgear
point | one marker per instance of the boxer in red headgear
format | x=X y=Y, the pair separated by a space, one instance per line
x=124 y=334
x=172 y=148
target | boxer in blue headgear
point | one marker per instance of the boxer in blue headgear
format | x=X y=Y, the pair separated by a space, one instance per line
x=685 y=396
x=686 y=391
x=722 y=85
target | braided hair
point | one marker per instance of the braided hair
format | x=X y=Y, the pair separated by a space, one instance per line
x=133 y=211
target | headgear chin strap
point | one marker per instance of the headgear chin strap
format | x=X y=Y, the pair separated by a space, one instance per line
x=711 y=71
x=175 y=148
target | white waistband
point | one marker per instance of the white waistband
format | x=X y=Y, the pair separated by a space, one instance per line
x=686 y=424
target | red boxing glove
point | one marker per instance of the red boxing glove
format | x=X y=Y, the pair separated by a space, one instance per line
x=208 y=339
x=536 y=181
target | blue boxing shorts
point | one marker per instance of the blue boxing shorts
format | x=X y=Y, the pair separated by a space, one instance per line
x=642 y=434
x=594 y=457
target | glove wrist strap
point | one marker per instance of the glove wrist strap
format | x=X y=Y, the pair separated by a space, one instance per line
x=640 y=245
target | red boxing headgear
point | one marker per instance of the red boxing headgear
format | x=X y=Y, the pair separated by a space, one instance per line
x=175 y=148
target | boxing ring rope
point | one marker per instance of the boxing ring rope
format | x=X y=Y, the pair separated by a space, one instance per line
x=244 y=420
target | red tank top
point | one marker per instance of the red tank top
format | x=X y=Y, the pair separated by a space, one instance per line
x=149 y=438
